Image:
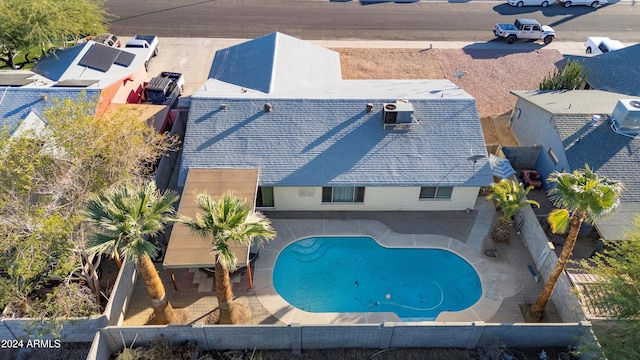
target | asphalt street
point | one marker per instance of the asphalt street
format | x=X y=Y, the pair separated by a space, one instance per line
x=429 y=20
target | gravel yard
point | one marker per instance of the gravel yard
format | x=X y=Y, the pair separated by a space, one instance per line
x=491 y=73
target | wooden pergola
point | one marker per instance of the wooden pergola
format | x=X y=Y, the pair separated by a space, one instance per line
x=186 y=250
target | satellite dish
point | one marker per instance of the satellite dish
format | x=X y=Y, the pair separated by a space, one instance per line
x=475 y=158
x=458 y=75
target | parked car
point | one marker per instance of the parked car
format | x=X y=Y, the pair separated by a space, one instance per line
x=524 y=29
x=108 y=39
x=521 y=3
x=593 y=3
x=599 y=45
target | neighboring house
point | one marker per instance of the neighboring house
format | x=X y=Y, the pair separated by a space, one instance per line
x=579 y=127
x=600 y=76
x=118 y=74
x=112 y=75
x=24 y=106
x=279 y=104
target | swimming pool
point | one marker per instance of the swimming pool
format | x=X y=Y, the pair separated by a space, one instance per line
x=356 y=274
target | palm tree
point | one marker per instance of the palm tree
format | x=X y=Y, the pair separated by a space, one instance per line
x=226 y=219
x=510 y=197
x=581 y=196
x=123 y=217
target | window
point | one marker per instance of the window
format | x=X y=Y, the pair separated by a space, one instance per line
x=553 y=156
x=436 y=192
x=343 y=194
x=264 y=197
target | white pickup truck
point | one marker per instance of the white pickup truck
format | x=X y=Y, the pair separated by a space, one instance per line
x=145 y=42
x=525 y=29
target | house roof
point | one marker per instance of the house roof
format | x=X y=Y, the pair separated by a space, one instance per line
x=624 y=79
x=319 y=132
x=91 y=61
x=607 y=152
x=275 y=62
x=335 y=142
x=16 y=103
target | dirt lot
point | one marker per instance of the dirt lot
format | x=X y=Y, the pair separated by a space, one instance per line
x=490 y=75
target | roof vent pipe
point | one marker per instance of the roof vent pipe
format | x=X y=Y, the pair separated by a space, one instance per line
x=224 y=107
x=44 y=97
x=369 y=107
x=268 y=107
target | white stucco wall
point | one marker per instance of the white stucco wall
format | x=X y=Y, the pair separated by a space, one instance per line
x=375 y=199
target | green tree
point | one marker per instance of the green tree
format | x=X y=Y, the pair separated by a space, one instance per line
x=45 y=179
x=510 y=197
x=571 y=77
x=580 y=196
x=123 y=218
x=37 y=24
x=227 y=219
x=618 y=268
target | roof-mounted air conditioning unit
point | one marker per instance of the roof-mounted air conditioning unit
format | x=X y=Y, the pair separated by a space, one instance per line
x=626 y=116
x=398 y=115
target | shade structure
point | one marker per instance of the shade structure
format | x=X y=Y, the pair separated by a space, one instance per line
x=501 y=167
x=186 y=250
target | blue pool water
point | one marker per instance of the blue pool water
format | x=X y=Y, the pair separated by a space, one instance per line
x=356 y=274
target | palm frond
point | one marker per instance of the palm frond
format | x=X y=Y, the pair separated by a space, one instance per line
x=124 y=216
x=583 y=191
x=228 y=218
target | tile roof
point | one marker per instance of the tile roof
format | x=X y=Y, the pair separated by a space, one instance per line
x=17 y=102
x=615 y=71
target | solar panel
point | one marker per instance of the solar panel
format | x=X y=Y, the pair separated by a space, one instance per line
x=99 y=57
x=15 y=79
x=125 y=58
x=15 y=82
x=75 y=83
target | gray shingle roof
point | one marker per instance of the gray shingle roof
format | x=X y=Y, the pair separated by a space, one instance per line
x=607 y=152
x=615 y=71
x=335 y=142
x=17 y=103
x=275 y=62
x=319 y=133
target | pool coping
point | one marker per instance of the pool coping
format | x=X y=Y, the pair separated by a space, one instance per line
x=495 y=276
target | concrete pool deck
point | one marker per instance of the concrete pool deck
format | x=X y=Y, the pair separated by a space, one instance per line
x=495 y=276
x=467 y=233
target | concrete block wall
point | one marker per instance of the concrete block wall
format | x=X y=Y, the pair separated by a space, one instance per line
x=522 y=157
x=297 y=337
x=99 y=349
x=74 y=330
x=432 y=335
x=347 y=336
x=542 y=252
x=534 y=335
x=121 y=294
